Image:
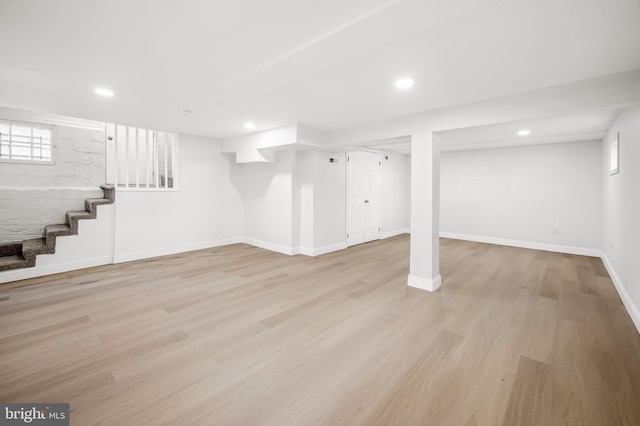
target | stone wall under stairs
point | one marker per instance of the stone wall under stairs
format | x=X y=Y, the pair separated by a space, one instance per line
x=23 y=254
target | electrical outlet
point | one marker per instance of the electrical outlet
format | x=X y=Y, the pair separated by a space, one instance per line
x=556 y=231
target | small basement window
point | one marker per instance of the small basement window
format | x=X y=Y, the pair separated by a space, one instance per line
x=26 y=143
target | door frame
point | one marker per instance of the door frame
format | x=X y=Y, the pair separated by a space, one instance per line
x=347 y=196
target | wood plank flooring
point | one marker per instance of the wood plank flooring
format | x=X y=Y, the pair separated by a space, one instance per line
x=241 y=336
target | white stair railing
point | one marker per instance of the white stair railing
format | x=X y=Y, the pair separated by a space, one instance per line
x=140 y=159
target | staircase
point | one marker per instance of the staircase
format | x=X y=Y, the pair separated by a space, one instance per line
x=23 y=254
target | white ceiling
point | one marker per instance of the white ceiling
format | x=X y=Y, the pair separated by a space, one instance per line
x=587 y=126
x=326 y=64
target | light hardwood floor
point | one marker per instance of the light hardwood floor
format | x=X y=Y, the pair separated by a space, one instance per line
x=241 y=336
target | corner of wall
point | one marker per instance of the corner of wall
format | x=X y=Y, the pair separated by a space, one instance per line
x=632 y=309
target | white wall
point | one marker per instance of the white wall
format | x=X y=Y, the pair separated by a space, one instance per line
x=395 y=194
x=621 y=210
x=79 y=162
x=24 y=212
x=408 y=180
x=35 y=195
x=302 y=200
x=206 y=211
x=296 y=204
x=519 y=195
x=268 y=202
x=248 y=148
x=92 y=246
x=329 y=198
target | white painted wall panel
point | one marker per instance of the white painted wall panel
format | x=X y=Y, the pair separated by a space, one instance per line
x=329 y=192
x=524 y=193
x=621 y=210
x=268 y=200
x=395 y=195
x=206 y=211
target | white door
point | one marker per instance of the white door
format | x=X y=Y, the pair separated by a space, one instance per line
x=363 y=197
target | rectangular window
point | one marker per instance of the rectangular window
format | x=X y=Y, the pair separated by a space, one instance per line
x=141 y=159
x=25 y=142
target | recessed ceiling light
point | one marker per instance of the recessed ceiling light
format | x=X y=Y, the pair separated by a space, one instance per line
x=404 y=83
x=524 y=132
x=249 y=125
x=104 y=92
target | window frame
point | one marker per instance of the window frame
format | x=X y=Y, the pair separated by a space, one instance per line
x=54 y=144
x=114 y=166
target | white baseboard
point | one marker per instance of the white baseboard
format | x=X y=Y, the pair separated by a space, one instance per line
x=165 y=251
x=395 y=232
x=39 y=271
x=307 y=251
x=632 y=309
x=271 y=246
x=329 y=249
x=424 y=283
x=523 y=244
x=303 y=250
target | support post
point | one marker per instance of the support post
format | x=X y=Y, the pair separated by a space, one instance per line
x=424 y=268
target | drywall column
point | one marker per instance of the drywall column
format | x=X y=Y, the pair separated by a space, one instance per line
x=424 y=269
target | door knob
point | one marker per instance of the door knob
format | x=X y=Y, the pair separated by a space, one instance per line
x=366 y=201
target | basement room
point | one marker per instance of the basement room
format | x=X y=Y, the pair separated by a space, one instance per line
x=373 y=212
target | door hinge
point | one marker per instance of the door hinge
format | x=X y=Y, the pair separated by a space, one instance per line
x=378 y=229
x=379 y=163
x=348 y=159
x=347 y=235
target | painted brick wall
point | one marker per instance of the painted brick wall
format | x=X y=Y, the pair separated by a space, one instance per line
x=35 y=195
